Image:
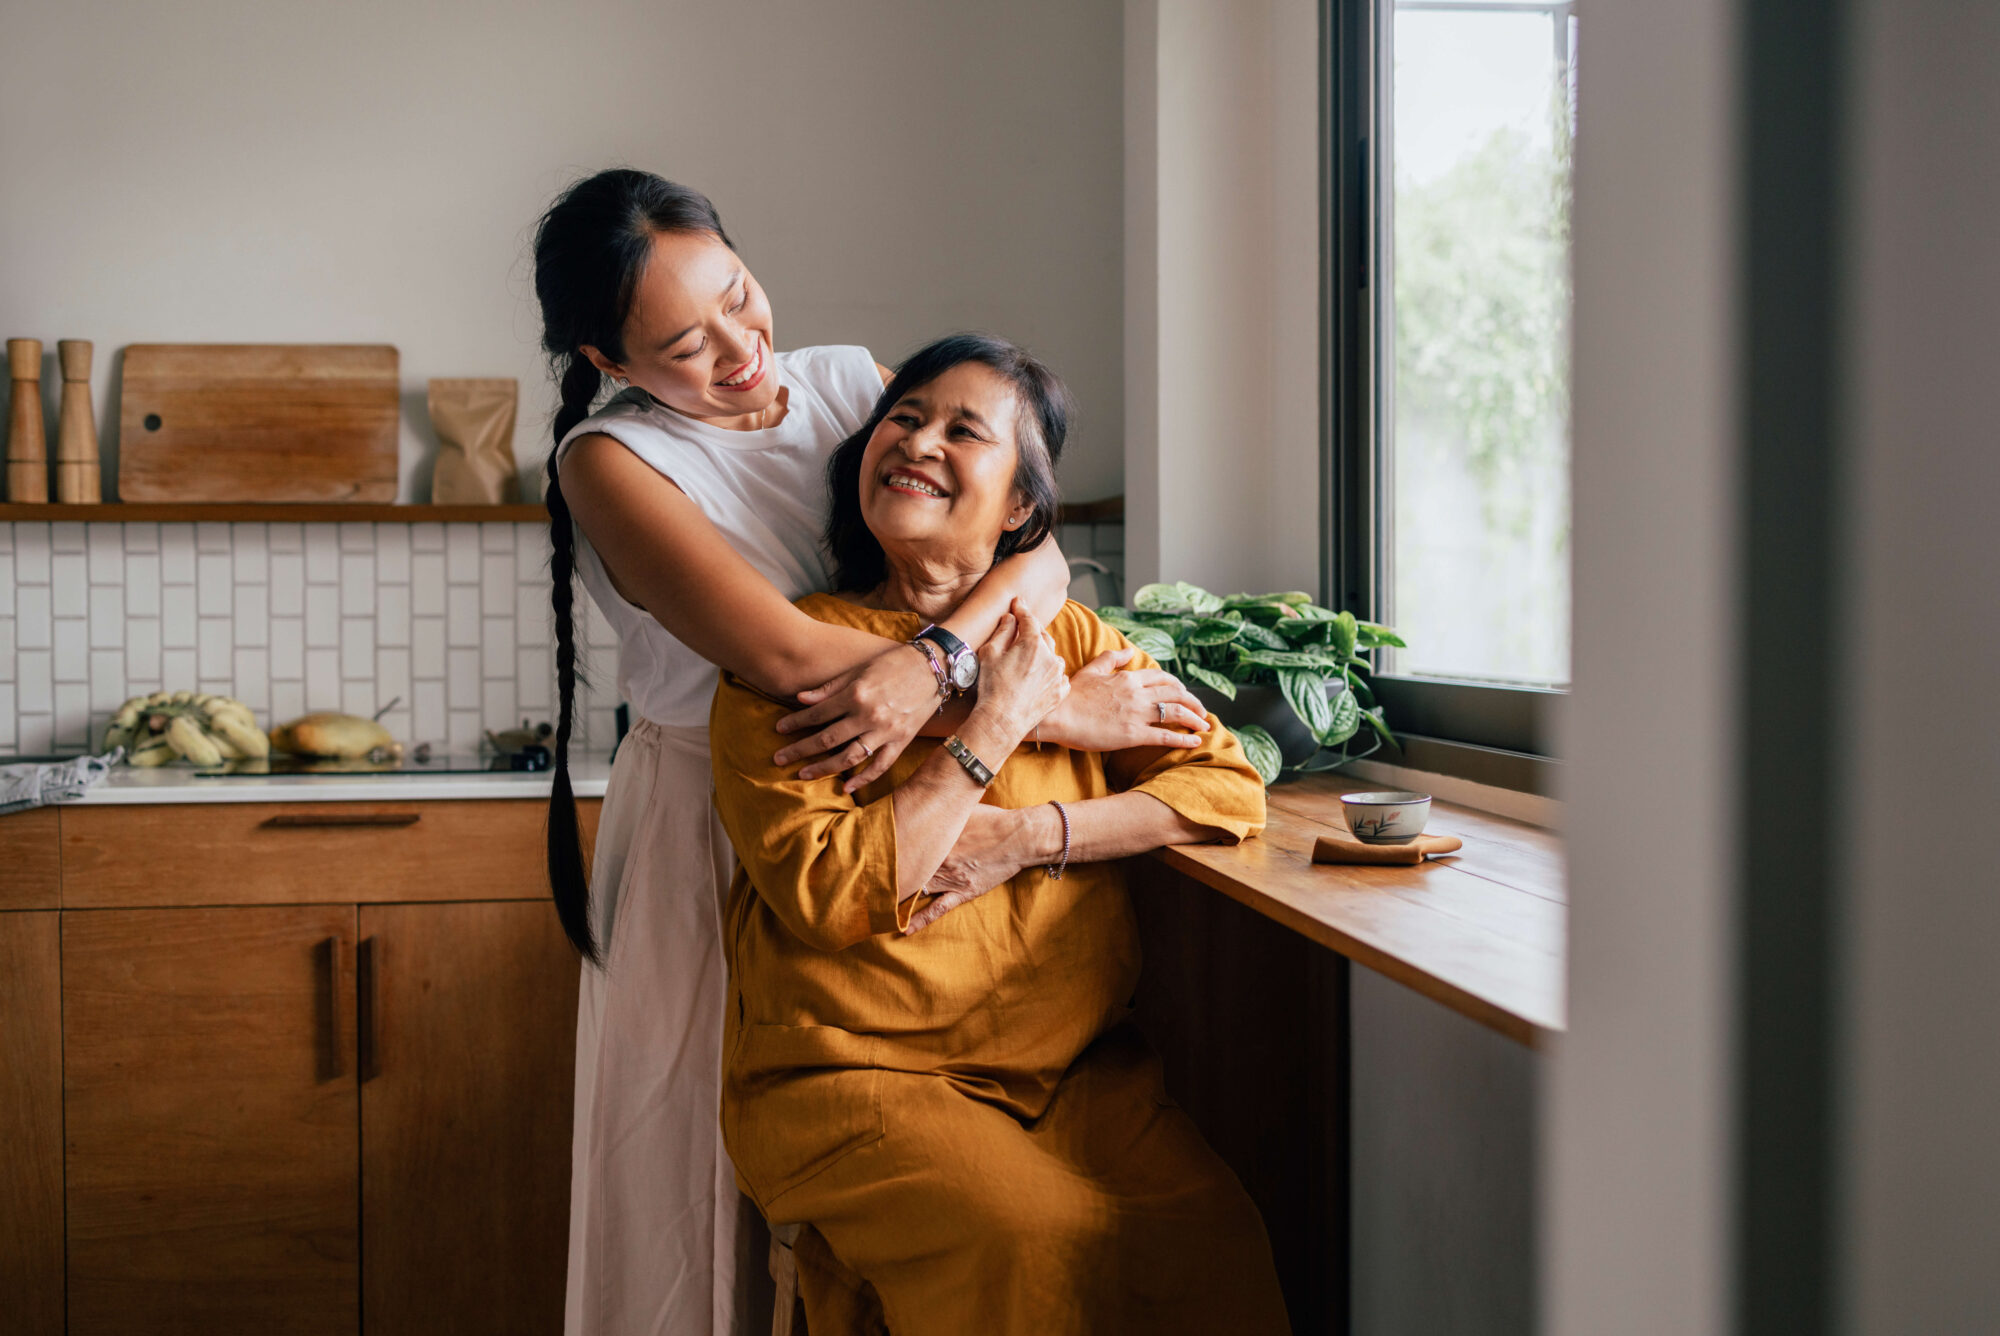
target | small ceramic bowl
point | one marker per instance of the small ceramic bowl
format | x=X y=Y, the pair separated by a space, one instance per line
x=1386 y=818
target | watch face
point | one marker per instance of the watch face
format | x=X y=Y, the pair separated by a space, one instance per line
x=964 y=671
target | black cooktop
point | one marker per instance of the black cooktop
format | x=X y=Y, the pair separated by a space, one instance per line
x=278 y=767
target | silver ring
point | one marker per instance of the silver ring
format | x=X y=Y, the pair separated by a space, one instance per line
x=1163 y=710
x=867 y=752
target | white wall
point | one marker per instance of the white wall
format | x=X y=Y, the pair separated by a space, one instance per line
x=242 y=170
x=1222 y=296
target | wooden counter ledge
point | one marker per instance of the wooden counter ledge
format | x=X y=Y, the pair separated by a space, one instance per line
x=1482 y=931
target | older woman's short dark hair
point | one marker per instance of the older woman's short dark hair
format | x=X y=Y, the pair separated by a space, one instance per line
x=855 y=557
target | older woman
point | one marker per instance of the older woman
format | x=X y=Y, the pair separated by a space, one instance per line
x=928 y=1058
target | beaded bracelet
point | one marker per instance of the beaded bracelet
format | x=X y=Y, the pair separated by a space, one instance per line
x=1056 y=872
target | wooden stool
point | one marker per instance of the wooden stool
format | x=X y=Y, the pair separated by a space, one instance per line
x=785 y=1273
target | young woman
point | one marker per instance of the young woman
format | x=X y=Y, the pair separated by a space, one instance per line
x=692 y=505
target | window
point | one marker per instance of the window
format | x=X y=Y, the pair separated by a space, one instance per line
x=1450 y=126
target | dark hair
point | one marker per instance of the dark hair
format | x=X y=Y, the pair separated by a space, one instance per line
x=590 y=249
x=1043 y=424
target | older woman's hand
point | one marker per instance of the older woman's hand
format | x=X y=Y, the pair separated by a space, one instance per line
x=1021 y=679
x=1109 y=709
x=994 y=847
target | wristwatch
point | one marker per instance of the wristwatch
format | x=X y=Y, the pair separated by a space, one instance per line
x=961 y=664
x=963 y=754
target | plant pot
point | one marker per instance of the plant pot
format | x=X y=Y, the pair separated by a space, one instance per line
x=1266 y=707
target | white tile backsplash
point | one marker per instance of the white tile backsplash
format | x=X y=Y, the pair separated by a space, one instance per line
x=177 y=620
x=288 y=649
x=357 y=583
x=69 y=582
x=142 y=584
x=72 y=637
x=322 y=616
x=142 y=650
x=31 y=553
x=107 y=616
x=461 y=546
x=34 y=681
x=451 y=621
x=177 y=554
x=461 y=623
x=31 y=616
x=253 y=614
x=107 y=553
x=213 y=581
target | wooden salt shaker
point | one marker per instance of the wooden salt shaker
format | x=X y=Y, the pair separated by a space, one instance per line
x=27 y=446
x=79 y=481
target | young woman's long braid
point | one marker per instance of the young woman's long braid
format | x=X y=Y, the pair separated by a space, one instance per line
x=569 y=879
x=590 y=250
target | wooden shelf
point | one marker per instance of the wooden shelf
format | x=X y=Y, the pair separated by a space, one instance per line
x=114 y=512
x=1111 y=510
x=141 y=512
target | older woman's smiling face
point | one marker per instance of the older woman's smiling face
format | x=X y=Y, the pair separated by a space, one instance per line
x=937 y=478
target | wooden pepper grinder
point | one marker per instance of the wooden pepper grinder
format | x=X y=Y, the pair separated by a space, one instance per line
x=79 y=481
x=27 y=447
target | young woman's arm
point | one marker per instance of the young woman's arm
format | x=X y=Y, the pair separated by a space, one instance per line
x=666 y=557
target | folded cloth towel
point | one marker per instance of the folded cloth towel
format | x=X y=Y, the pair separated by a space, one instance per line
x=25 y=786
x=1333 y=849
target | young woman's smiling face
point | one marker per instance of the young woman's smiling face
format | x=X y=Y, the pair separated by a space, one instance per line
x=698 y=337
x=937 y=478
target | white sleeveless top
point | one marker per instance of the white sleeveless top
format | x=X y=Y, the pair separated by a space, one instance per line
x=764 y=490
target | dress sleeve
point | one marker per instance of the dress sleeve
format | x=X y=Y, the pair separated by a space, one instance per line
x=1212 y=785
x=824 y=864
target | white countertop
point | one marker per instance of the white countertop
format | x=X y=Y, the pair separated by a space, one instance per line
x=180 y=784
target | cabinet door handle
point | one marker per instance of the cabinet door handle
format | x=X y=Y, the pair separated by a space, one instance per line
x=364 y=1008
x=321 y=820
x=326 y=1007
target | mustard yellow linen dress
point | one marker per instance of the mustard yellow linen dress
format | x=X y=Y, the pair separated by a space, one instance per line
x=965 y=1114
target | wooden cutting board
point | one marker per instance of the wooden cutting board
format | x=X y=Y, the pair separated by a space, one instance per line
x=258 y=422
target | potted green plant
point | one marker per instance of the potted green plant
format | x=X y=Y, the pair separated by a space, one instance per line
x=1289 y=677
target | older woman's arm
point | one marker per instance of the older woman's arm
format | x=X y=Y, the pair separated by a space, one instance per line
x=1205 y=794
x=835 y=871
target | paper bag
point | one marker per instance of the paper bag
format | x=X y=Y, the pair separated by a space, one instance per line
x=474 y=420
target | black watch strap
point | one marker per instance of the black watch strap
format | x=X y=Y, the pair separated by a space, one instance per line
x=962 y=663
x=943 y=639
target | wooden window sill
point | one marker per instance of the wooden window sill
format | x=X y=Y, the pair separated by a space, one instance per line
x=1483 y=931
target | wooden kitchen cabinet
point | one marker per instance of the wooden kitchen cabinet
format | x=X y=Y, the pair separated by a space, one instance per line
x=318 y=1079
x=469 y=1030
x=31 y=1158
x=212 y=1120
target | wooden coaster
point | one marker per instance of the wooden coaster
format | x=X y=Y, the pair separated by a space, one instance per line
x=1334 y=849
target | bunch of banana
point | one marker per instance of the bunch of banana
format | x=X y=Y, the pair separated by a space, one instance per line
x=170 y=725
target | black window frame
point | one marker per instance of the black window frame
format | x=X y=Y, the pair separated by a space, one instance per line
x=1493 y=734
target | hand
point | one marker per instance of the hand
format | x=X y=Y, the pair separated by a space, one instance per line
x=1021 y=678
x=862 y=718
x=1109 y=709
x=994 y=847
